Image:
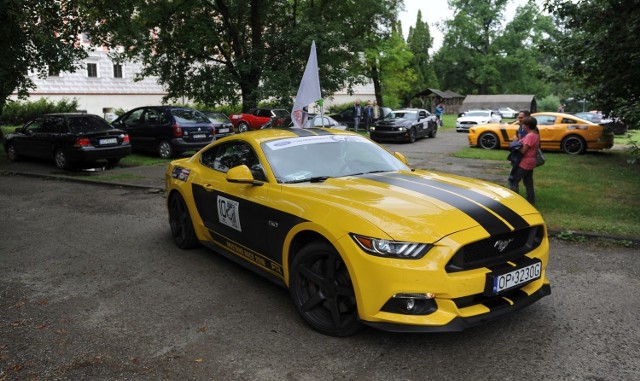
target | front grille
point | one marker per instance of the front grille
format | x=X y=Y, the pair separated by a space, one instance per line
x=487 y=253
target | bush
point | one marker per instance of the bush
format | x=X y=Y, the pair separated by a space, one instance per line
x=18 y=113
x=550 y=103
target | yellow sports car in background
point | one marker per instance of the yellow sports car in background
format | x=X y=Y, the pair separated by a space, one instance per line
x=355 y=235
x=558 y=132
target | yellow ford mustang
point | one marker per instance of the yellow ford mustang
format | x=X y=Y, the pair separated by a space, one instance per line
x=358 y=237
x=558 y=132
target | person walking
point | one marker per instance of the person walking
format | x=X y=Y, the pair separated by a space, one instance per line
x=439 y=111
x=529 y=148
x=357 y=115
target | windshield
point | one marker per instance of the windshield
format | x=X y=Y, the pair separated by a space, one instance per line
x=88 y=123
x=217 y=117
x=316 y=158
x=281 y=113
x=185 y=116
x=402 y=115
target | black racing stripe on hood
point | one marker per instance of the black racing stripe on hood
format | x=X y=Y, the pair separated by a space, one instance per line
x=513 y=218
x=486 y=219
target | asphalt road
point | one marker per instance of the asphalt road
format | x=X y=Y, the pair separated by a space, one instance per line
x=92 y=288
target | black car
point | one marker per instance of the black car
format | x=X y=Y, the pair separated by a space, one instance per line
x=221 y=123
x=68 y=138
x=166 y=130
x=346 y=117
x=404 y=125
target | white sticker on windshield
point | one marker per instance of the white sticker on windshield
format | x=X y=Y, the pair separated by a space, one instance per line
x=229 y=213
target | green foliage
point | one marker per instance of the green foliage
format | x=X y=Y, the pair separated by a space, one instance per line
x=37 y=35
x=420 y=41
x=20 y=112
x=599 y=46
x=549 y=103
x=257 y=49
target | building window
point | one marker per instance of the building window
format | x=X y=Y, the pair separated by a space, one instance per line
x=117 y=71
x=53 y=73
x=92 y=70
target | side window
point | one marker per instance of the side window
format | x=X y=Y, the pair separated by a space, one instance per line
x=135 y=118
x=568 y=121
x=222 y=158
x=264 y=113
x=423 y=114
x=155 y=117
x=546 y=120
x=35 y=126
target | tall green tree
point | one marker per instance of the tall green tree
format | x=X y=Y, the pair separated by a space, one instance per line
x=601 y=50
x=36 y=35
x=420 y=41
x=213 y=50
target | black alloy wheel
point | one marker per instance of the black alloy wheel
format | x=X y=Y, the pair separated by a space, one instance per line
x=412 y=135
x=321 y=289
x=12 y=153
x=489 y=140
x=182 y=230
x=573 y=145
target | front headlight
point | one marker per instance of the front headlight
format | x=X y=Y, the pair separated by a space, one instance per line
x=392 y=249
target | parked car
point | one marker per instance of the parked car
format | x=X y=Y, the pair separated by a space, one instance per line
x=346 y=117
x=508 y=112
x=472 y=118
x=221 y=123
x=313 y=121
x=356 y=235
x=404 y=125
x=68 y=139
x=615 y=124
x=255 y=118
x=166 y=130
x=558 y=132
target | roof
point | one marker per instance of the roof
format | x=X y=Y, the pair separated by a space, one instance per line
x=442 y=94
x=515 y=101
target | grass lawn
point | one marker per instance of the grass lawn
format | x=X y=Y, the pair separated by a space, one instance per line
x=597 y=192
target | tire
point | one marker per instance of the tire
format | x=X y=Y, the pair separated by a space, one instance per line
x=321 y=289
x=243 y=127
x=165 y=150
x=573 y=145
x=412 y=135
x=434 y=131
x=61 y=160
x=12 y=153
x=182 y=229
x=488 y=140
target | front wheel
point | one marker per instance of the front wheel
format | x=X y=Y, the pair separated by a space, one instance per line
x=488 y=140
x=412 y=135
x=573 y=145
x=434 y=130
x=321 y=289
x=61 y=159
x=182 y=230
x=12 y=152
x=165 y=150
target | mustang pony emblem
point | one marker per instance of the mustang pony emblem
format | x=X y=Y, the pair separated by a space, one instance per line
x=502 y=244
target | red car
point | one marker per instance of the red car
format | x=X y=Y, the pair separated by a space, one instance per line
x=255 y=118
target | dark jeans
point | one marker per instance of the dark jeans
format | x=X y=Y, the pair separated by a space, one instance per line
x=527 y=179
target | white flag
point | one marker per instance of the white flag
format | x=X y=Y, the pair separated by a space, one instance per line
x=309 y=90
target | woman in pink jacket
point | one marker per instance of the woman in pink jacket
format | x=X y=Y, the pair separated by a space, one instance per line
x=524 y=172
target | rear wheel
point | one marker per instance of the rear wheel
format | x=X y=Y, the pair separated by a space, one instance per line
x=12 y=153
x=488 y=140
x=573 y=145
x=243 y=127
x=322 y=291
x=182 y=230
x=165 y=150
x=61 y=159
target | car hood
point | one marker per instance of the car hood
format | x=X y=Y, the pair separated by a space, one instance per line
x=418 y=206
x=394 y=122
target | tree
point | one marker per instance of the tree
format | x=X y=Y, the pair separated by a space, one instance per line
x=420 y=41
x=213 y=50
x=37 y=35
x=601 y=51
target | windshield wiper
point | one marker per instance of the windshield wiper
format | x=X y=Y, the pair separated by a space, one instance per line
x=316 y=179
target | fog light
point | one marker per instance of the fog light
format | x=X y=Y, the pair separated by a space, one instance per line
x=411 y=304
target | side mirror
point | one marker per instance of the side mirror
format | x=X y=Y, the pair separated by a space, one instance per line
x=401 y=157
x=242 y=175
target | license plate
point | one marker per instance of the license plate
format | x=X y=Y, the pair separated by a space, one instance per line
x=514 y=278
x=199 y=136
x=223 y=130
x=108 y=141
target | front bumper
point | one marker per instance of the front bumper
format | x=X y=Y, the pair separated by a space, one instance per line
x=389 y=136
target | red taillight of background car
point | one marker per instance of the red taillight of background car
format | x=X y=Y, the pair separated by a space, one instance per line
x=125 y=138
x=82 y=142
x=177 y=130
